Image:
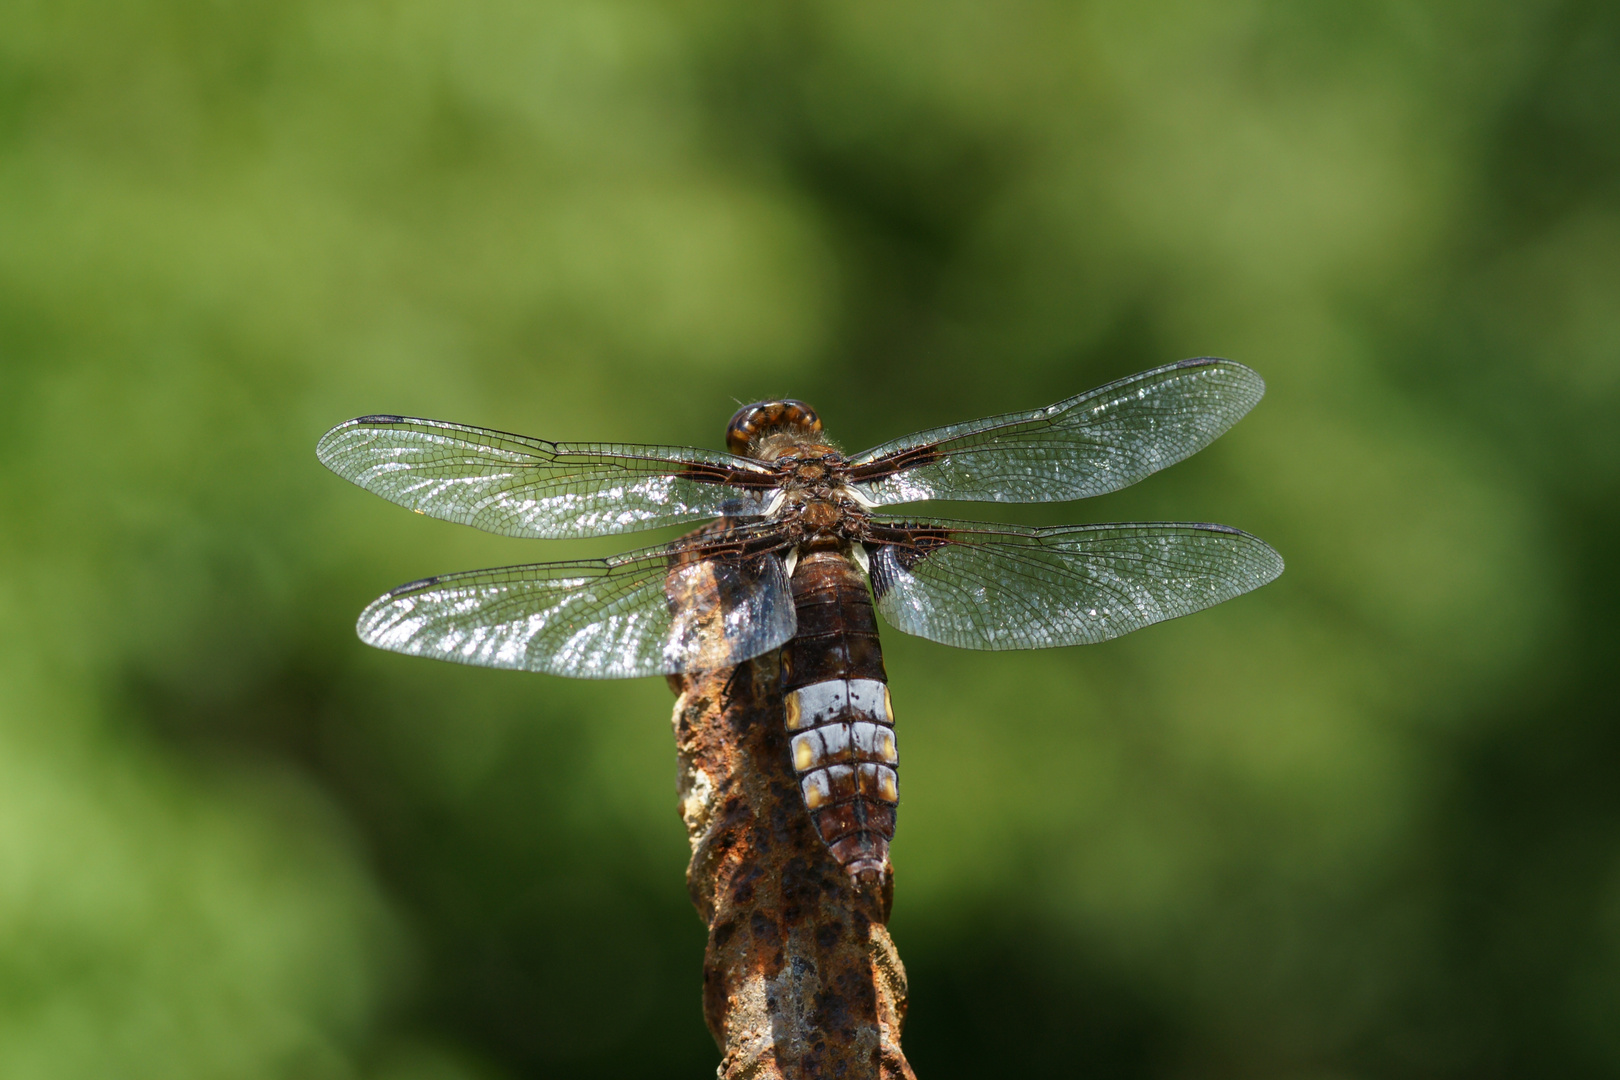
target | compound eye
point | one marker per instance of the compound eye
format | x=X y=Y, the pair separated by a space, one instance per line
x=753 y=422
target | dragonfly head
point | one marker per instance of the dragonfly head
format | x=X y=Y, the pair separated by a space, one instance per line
x=754 y=423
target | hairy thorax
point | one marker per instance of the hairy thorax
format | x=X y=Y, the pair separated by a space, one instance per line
x=816 y=502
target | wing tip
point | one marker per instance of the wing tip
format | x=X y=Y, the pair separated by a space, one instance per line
x=1234 y=366
x=327 y=446
x=1268 y=564
x=365 y=627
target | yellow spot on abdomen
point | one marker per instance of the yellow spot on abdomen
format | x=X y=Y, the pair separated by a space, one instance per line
x=817 y=789
x=888 y=785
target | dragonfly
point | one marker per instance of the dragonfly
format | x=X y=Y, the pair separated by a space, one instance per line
x=800 y=555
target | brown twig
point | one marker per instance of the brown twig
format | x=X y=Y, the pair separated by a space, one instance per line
x=800 y=979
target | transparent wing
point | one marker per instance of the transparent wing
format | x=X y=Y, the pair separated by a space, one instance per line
x=518 y=486
x=688 y=606
x=1100 y=441
x=980 y=586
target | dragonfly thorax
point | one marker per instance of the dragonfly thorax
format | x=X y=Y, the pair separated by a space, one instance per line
x=814 y=497
x=821 y=518
x=807 y=515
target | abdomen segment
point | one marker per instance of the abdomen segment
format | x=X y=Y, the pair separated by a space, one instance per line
x=839 y=717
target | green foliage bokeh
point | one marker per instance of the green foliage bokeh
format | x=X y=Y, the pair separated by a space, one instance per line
x=1361 y=823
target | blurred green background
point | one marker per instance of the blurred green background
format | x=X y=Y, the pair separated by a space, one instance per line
x=1362 y=823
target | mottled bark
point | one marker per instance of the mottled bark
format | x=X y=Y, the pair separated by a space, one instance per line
x=800 y=979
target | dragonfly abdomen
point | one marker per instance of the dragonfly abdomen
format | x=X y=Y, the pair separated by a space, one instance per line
x=838 y=713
